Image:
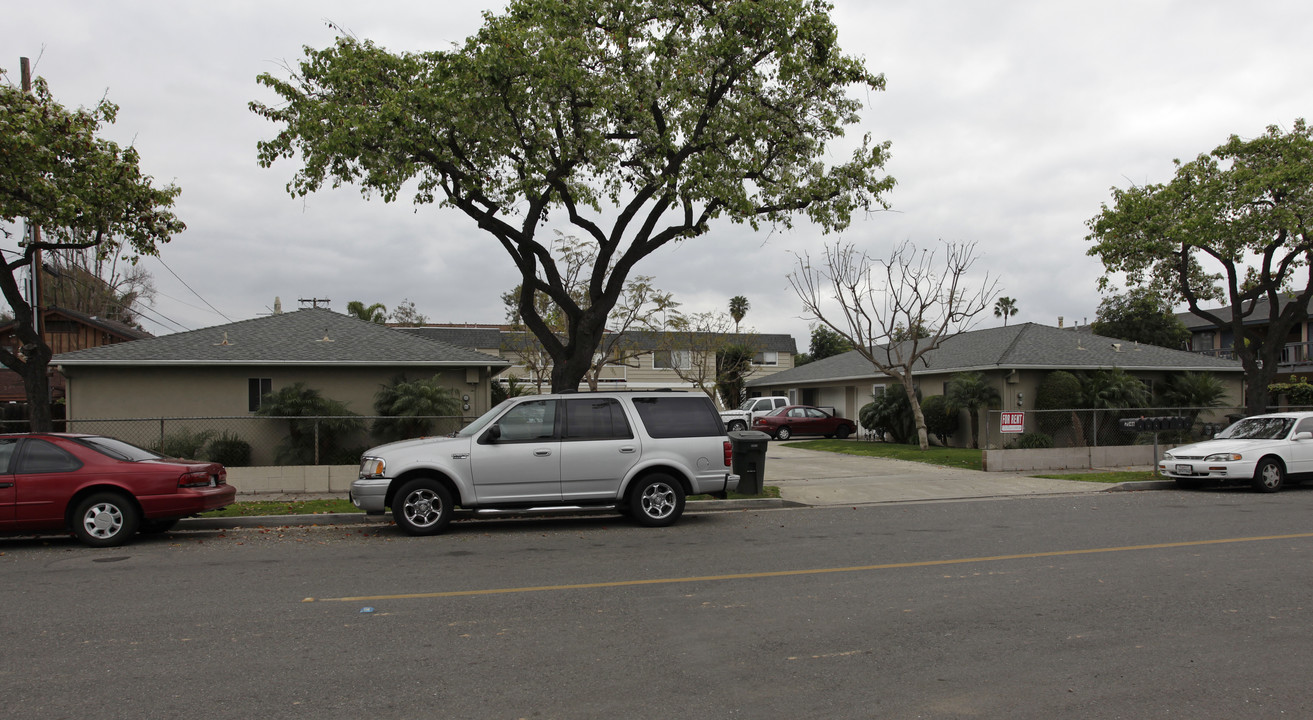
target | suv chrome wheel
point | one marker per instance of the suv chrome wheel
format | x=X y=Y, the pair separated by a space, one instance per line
x=422 y=507
x=657 y=500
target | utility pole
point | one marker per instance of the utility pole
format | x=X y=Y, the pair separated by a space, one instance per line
x=314 y=302
x=33 y=231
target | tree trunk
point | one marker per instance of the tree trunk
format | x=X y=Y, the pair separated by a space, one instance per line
x=918 y=417
x=36 y=383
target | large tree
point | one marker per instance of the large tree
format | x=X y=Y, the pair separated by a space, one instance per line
x=641 y=307
x=1141 y=315
x=75 y=190
x=913 y=300
x=637 y=122
x=1232 y=226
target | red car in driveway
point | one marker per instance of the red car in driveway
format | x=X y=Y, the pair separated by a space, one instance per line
x=101 y=489
x=793 y=420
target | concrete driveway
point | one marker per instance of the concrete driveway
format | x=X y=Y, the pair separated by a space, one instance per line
x=810 y=477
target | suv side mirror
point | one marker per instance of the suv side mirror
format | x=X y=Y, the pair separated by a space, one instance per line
x=493 y=434
x=1303 y=435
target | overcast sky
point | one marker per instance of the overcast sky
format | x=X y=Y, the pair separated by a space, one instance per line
x=1009 y=121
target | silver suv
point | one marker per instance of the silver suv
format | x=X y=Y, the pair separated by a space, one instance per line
x=639 y=452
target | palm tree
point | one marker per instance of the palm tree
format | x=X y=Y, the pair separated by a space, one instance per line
x=314 y=424
x=1113 y=389
x=376 y=313
x=738 y=308
x=410 y=408
x=1005 y=307
x=971 y=392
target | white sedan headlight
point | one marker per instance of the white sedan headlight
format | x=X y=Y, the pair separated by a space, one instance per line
x=372 y=467
x=1223 y=457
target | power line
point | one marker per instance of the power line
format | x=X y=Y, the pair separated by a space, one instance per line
x=189 y=287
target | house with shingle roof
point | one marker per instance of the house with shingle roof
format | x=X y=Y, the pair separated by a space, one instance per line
x=646 y=359
x=1015 y=358
x=63 y=330
x=224 y=371
x=1208 y=338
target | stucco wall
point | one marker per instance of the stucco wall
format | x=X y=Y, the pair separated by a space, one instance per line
x=214 y=392
x=1082 y=458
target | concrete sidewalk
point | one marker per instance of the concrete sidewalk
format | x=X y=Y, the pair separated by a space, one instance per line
x=805 y=478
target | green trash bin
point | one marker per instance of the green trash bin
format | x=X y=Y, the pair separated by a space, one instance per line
x=748 y=459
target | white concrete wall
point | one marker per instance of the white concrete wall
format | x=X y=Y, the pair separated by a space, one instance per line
x=1082 y=458
x=293 y=479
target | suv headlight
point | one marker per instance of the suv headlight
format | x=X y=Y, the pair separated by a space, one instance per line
x=1223 y=457
x=372 y=467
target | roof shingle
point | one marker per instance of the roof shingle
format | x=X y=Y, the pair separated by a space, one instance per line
x=307 y=336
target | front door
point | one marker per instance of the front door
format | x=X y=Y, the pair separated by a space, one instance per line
x=518 y=460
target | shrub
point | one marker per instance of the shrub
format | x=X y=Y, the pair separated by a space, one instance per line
x=309 y=416
x=1031 y=441
x=185 y=444
x=891 y=413
x=941 y=419
x=230 y=450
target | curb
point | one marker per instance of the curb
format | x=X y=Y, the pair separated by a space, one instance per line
x=264 y=521
x=1143 y=485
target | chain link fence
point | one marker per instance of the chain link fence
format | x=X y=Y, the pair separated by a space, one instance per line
x=1034 y=429
x=242 y=441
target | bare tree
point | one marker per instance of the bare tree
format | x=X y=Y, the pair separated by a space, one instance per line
x=103 y=281
x=878 y=299
x=641 y=307
x=692 y=343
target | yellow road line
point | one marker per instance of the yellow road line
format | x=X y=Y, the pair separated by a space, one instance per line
x=811 y=571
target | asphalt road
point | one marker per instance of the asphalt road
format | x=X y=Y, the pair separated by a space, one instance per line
x=1130 y=605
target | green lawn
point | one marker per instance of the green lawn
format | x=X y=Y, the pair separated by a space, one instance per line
x=951 y=457
x=954 y=457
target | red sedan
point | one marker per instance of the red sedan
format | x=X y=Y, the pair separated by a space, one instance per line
x=793 y=420
x=102 y=489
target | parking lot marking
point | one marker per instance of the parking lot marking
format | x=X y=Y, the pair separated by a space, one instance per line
x=808 y=571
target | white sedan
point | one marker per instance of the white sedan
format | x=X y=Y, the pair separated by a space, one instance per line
x=1265 y=451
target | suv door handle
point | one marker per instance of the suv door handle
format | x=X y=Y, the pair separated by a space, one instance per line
x=628 y=449
x=542 y=453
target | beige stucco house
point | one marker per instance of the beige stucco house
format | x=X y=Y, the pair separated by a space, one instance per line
x=1014 y=358
x=224 y=371
x=643 y=359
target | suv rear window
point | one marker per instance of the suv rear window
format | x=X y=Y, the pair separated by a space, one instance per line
x=671 y=417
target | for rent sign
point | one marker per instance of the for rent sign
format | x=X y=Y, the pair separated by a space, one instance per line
x=1013 y=422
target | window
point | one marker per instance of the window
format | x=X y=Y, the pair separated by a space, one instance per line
x=672 y=359
x=118 y=449
x=7 y=446
x=877 y=391
x=595 y=419
x=530 y=421
x=675 y=416
x=766 y=357
x=256 y=389
x=40 y=456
